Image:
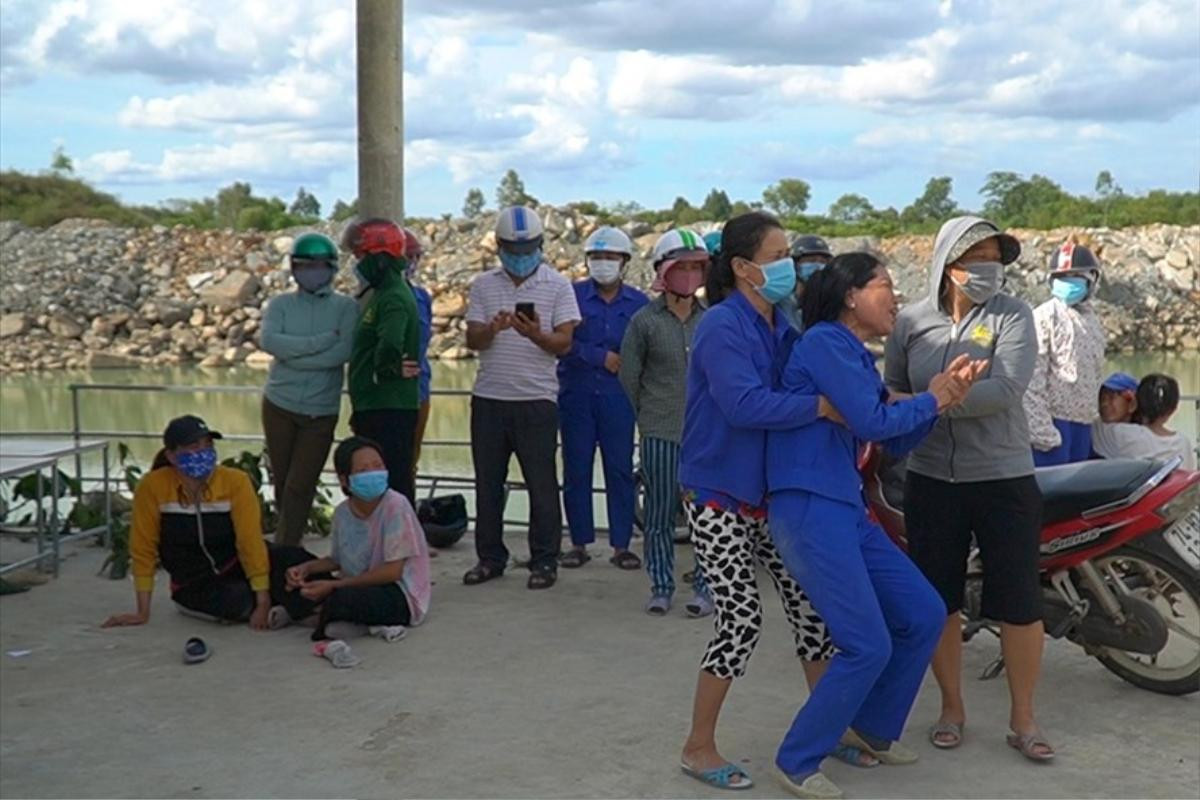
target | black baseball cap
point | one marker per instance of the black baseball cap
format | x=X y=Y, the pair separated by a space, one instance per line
x=185 y=430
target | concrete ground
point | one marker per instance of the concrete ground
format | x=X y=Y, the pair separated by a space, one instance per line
x=572 y=692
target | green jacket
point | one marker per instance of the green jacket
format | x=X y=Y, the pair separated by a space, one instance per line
x=388 y=333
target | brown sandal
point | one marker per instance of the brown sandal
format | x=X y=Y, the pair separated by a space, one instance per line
x=626 y=559
x=481 y=573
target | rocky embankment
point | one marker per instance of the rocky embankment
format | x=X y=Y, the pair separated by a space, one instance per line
x=87 y=294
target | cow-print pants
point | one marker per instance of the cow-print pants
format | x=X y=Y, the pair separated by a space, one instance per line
x=727 y=546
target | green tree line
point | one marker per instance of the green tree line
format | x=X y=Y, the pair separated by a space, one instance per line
x=1008 y=198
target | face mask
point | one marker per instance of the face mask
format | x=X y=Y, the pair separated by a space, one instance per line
x=1070 y=290
x=683 y=283
x=984 y=279
x=369 y=485
x=806 y=269
x=779 y=279
x=312 y=278
x=520 y=265
x=604 y=271
x=197 y=464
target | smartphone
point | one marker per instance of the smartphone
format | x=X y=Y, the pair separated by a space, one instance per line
x=526 y=310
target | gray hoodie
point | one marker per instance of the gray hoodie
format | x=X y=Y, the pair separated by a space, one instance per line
x=987 y=437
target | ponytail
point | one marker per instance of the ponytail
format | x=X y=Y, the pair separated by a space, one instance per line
x=719 y=282
x=1157 y=398
x=160 y=460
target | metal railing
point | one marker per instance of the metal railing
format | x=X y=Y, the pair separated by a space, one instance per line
x=430 y=483
x=427 y=484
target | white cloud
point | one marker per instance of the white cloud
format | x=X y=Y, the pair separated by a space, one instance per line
x=646 y=84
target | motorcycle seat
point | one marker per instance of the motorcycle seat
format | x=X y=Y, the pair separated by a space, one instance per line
x=1070 y=490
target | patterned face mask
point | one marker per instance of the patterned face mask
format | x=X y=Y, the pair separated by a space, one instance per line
x=197 y=463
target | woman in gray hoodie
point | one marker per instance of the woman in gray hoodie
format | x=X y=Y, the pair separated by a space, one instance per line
x=973 y=474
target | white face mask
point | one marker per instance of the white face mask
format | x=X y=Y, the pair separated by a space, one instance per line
x=604 y=271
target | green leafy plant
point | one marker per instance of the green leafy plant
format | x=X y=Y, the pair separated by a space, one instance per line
x=256 y=466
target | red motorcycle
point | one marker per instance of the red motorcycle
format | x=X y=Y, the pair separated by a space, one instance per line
x=1120 y=556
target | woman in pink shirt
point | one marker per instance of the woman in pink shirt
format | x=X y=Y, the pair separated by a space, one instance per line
x=378 y=552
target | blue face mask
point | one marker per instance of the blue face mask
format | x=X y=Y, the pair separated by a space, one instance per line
x=1070 y=290
x=521 y=265
x=806 y=269
x=779 y=280
x=197 y=464
x=369 y=485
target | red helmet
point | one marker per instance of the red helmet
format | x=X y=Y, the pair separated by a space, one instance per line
x=412 y=245
x=374 y=236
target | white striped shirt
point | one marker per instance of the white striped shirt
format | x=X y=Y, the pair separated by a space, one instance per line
x=514 y=368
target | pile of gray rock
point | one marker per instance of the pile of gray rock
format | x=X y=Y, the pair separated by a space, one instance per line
x=86 y=294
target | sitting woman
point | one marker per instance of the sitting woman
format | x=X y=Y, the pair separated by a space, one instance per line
x=1147 y=434
x=378 y=552
x=882 y=614
x=203 y=523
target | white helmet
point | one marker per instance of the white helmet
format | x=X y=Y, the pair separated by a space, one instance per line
x=519 y=229
x=679 y=242
x=609 y=240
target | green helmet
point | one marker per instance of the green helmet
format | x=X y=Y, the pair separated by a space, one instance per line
x=314 y=247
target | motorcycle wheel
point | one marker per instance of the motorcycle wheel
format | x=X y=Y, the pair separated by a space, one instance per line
x=1175 y=592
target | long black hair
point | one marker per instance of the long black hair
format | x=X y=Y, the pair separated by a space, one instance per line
x=1157 y=397
x=825 y=292
x=740 y=237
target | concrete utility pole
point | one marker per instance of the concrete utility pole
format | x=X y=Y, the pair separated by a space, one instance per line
x=380 y=108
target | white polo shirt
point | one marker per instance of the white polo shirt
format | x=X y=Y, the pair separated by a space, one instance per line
x=514 y=368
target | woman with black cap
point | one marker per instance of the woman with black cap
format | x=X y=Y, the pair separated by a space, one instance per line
x=203 y=523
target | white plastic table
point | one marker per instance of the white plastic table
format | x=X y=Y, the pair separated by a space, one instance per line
x=22 y=455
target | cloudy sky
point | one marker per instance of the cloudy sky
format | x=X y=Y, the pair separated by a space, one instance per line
x=611 y=100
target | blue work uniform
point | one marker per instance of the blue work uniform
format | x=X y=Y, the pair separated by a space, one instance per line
x=594 y=410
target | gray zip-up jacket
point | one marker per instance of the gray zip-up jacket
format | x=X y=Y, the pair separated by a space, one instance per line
x=987 y=437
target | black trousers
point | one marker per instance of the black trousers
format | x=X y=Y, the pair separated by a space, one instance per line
x=364 y=605
x=228 y=596
x=500 y=428
x=395 y=431
x=1006 y=518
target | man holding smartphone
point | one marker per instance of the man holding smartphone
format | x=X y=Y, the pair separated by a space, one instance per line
x=520 y=318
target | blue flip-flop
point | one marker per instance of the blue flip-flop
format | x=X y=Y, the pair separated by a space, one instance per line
x=720 y=777
x=196 y=651
x=853 y=756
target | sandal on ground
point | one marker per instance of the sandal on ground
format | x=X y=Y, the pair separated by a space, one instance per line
x=854 y=757
x=896 y=754
x=481 y=573
x=814 y=787
x=727 y=776
x=541 y=579
x=195 y=651
x=574 y=558
x=946 y=735
x=658 y=605
x=626 y=559
x=277 y=618
x=1031 y=745
x=699 y=606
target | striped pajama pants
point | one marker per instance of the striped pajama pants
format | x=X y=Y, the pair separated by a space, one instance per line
x=660 y=465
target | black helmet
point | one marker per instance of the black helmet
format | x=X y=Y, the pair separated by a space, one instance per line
x=809 y=245
x=1074 y=259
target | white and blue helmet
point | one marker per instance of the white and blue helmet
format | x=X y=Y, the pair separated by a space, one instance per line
x=609 y=240
x=519 y=229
